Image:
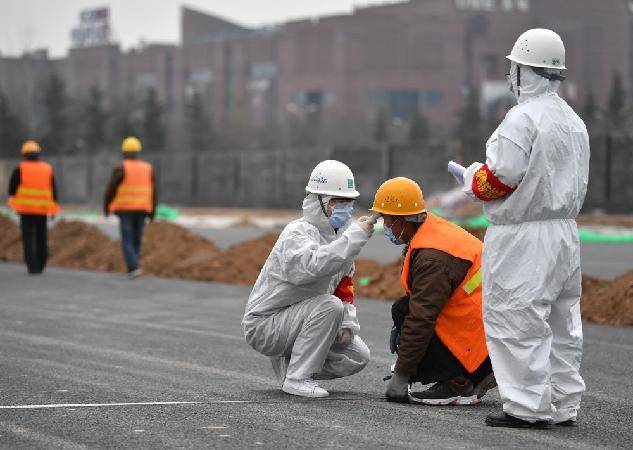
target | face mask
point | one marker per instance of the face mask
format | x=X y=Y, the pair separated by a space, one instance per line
x=341 y=214
x=396 y=240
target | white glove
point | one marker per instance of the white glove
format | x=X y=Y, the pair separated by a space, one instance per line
x=344 y=337
x=469 y=174
x=366 y=223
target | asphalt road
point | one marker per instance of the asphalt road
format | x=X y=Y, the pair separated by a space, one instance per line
x=598 y=260
x=84 y=342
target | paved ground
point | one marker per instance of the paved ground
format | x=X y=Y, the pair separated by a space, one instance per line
x=72 y=338
x=598 y=260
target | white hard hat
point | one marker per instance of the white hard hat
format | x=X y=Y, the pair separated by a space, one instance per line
x=539 y=47
x=332 y=178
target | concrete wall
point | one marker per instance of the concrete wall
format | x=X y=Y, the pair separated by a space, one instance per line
x=277 y=178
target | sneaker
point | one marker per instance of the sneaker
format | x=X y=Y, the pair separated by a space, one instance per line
x=508 y=421
x=304 y=388
x=133 y=274
x=280 y=367
x=489 y=382
x=452 y=392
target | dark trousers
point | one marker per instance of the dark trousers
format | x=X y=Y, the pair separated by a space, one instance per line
x=438 y=363
x=132 y=224
x=34 y=241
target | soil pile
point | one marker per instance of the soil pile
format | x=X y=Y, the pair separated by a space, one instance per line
x=79 y=245
x=170 y=250
x=238 y=264
x=375 y=280
x=609 y=303
x=10 y=240
x=612 y=221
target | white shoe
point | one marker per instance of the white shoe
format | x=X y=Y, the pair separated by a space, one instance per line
x=304 y=388
x=280 y=367
x=134 y=274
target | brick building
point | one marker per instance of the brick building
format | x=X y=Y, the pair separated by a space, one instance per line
x=322 y=80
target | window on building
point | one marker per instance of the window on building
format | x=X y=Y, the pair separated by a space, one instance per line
x=264 y=69
x=490 y=67
x=403 y=104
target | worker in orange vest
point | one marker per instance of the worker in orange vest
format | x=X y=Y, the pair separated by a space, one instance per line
x=32 y=195
x=438 y=328
x=131 y=195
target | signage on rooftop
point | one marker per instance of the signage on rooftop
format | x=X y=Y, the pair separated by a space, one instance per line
x=94 y=28
x=493 y=5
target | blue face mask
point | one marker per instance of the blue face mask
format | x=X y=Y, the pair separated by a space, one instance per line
x=341 y=214
x=396 y=240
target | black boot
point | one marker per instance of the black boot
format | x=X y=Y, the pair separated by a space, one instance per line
x=568 y=423
x=508 y=421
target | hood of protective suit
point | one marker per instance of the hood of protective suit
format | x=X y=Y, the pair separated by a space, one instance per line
x=532 y=85
x=313 y=213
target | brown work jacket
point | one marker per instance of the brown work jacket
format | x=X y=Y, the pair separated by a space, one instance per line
x=433 y=276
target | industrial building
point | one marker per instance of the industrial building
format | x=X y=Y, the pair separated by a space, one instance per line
x=325 y=78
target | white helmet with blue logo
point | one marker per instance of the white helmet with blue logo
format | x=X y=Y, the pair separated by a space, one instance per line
x=332 y=178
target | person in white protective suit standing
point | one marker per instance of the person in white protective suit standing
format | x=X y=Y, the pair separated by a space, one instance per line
x=533 y=184
x=301 y=312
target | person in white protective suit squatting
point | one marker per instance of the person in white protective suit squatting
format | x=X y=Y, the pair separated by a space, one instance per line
x=301 y=312
x=533 y=185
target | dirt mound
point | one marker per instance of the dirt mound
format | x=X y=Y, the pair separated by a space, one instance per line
x=239 y=264
x=375 y=280
x=170 y=250
x=612 y=221
x=609 y=302
x=78 y=245
x=10 y=240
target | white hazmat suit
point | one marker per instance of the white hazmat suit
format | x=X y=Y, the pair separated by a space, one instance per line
x=531 y=256
x=291 y=313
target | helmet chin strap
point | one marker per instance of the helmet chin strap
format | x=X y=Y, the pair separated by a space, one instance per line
x=322 y=205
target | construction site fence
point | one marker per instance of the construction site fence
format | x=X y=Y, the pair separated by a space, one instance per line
x=277 y=178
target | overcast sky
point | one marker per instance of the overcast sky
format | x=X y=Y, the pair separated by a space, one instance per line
x=29 y=24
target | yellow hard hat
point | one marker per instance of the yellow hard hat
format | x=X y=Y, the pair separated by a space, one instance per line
x=399 y=197
x=131 y=144
x=31 y=147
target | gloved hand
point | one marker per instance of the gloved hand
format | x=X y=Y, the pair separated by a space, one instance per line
x=469 y=174
x=398 y=389
x=394 y=339
x=367 y=223
x=344 y=337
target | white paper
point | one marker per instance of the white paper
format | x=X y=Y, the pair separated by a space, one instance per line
x=457 y=170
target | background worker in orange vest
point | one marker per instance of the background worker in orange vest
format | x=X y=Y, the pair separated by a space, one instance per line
x=32 y=195
x=438 y=327
x=131 y=195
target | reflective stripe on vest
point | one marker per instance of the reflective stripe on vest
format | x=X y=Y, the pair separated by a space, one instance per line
x=135 y=193
x=35 y=192
x=460 y=323
x=473 y=283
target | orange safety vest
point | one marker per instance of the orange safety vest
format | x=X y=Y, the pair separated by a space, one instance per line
x=35 y=192
x=136 y=191
x=460 y=324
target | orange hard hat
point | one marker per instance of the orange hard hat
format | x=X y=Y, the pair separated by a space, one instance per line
x=399 y=197
x=30 y=146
